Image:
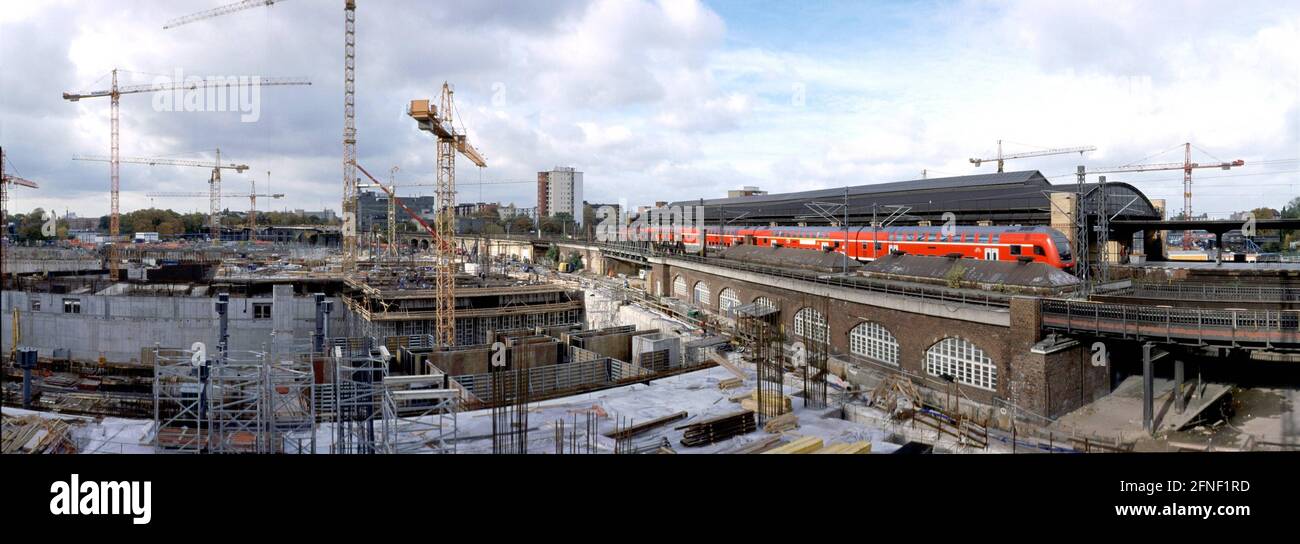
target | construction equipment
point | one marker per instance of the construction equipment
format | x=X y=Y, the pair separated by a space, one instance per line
x=349 y=205
x=439 y=121
x=214 y=181
x=115 y=93
x=214 y=12
x=1186 y=166
x=252 y=205
x=5 y=181
x=1040 y=153
x=437 y=237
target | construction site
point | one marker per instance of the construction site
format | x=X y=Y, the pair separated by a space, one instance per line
x=995 y=312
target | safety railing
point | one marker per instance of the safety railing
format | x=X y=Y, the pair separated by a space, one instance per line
x=1174 y=324
x=1210 y=291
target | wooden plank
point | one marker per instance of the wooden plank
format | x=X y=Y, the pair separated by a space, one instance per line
x=724 y=363
x=640 y=428
x=807 y=444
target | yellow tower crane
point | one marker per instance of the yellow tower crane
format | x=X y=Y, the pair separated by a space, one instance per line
x=438 y=120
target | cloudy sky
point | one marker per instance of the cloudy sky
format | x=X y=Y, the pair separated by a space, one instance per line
x=663 y=100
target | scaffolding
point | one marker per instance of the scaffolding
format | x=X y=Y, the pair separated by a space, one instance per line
x=248 y=403
x=290 y=413
x=420 y=414
x=356 y=397
x=179 y=399
x=236 y=389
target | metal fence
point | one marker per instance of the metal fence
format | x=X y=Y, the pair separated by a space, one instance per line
x=1209 y=291
x=1174 y=324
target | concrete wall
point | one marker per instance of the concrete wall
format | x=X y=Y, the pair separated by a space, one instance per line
x=118 y=327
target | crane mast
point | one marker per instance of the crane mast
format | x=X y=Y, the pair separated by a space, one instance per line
x=114 y=93
x=7 y=179
x=349 y=205
x=438 y=120
x=1186 y=166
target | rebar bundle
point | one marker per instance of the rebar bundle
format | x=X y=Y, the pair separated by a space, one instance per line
x=509 y=410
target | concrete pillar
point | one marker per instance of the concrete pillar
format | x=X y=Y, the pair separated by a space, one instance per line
x=1180 y=400
x=1148 y=387
x=1218 y=245
x=282 y=316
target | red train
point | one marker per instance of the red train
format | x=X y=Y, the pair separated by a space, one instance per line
x=1038 y=243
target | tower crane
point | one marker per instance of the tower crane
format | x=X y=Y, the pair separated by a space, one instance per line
x=1186 y=166
x=1041 y=153
x=252 y=203
x=349 y=204
x=115 y=93
x=438 y=120
x=5 y=181
x=214 y=181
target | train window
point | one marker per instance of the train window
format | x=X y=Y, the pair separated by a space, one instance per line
x=1038 y=250
x=877 y=246
x=1015 y=250
x=983 y=239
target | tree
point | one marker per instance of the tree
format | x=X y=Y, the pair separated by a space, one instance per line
x=28 y=226
x=521 y=224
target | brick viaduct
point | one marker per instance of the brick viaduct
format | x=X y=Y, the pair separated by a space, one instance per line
x=1049 y=383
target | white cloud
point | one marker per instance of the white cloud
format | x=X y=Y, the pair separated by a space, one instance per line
x=653 y=101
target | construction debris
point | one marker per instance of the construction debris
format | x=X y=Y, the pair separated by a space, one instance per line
x=718 y=429
x=782 y=423
x=34 y=434
x=807 y=444
x=730 y=383
x=896 y=395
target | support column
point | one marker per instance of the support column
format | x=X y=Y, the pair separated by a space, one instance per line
x=1180 y=400
x=1148 y=387
x=1218 y=245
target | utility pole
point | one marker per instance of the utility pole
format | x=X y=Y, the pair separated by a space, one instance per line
x=1081 y=232
x=844 y=227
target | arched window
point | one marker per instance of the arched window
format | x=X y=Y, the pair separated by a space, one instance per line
x=702 y=293
x=964 y=361
x=766 y=303
x=811 y=324
x=679 y=287
x=727 y=300
x=873 y=341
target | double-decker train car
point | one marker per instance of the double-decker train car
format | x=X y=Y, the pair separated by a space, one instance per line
x=1036 y=243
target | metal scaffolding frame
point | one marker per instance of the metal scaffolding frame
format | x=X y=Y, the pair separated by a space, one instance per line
x=420 y=414
x=250 y=403
x=290 y=414
x=179 y=399
x=356 y=398
x=236 y=389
